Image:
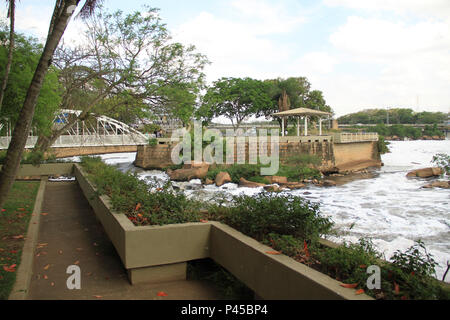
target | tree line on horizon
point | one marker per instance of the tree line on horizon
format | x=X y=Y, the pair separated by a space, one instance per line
x=393 y=116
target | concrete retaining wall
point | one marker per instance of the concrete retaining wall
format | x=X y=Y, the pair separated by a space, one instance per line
x=159 y=253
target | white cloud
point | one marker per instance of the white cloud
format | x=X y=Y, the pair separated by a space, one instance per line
x=437 y=8
x=374 y=38
x=245 y=44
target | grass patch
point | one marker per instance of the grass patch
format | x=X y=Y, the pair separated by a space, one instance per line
x=14 y=219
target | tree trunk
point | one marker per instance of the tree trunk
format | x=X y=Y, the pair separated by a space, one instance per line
x=12 y=17
x=23 y=124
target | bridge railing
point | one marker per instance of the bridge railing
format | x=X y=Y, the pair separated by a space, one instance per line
x=68 y=141
x=347 y=137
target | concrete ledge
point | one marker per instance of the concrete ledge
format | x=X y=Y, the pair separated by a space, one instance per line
x=25 y=271
x=48 y=169
x=159 y=253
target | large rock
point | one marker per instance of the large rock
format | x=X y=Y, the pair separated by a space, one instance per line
x=197 y=171
x=273 y=188
x=222 y=178
x=438 y=184
x=250 y=184
x=329 y=183
x=425 y=173
x=276 y=179
x=293 y=185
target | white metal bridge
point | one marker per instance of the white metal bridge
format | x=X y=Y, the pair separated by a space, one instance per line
x=97 y=131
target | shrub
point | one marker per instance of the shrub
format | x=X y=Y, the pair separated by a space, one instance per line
x=134 y=197
x=442 y=160
x=152 y=142
x=258 y=216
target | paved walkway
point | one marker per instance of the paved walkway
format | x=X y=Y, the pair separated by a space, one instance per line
x=70 y=235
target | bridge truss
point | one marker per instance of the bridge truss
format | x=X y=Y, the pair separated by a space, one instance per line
x=97 y=130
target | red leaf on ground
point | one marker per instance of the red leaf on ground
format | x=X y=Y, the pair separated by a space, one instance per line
x=162 y=294
x=13 y=251
x=273 y=252
x=349 y=285
x=21 y=209
x=47 y=267
x=363 y=266
x=44 y=213
x=360 y=291
x=45 y=277
x=18 y=237
x=98 y=297
x=138 y=206
x=3 y=210
x=11 y=268
x=203 y=221
x=76 y=263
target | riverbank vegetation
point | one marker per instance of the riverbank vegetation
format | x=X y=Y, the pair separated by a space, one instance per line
x=290 y=224
x=393 y=116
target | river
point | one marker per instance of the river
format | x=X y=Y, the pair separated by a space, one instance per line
x=389 y=208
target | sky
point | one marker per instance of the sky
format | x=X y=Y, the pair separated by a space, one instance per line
x=360 y=53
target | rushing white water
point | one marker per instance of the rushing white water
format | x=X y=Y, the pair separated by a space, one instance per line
x=391 y=209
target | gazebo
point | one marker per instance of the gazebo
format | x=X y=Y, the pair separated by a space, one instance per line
x=302 y=112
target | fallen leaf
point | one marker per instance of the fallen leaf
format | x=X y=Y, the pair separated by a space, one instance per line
x=203 y=221
x=363 y=266
x=76 y=262
x=349 y=285
x=18 y=237
x=13 y=251
x=305 y=248
x=44 y=213
x=47 y=267
x=11 y=268
x=360 y=291
x=98 y=297
x=60 y=252
x=45 y=277
x=138 y=206
x=52 y=284
x=3 y=210
x=273 y=252
x=162 y=294
x=21 y=209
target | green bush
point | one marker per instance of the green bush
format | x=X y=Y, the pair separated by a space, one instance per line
x=152 y=142
x=134 y=197
x=258 y=216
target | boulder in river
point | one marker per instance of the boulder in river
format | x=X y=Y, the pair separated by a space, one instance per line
x=425 y=173
x=189 y=172
x=277 y=179
x=438 y=184
x=222 y=178
x=329 y=183
x=250 y=184
x=293 y=185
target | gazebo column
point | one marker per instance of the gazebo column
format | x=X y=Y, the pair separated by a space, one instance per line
x=282 y=127
x=320 y=126
x=306 y=125
x=298 y=126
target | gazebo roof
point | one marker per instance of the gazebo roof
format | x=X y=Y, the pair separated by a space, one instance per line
x=301 y=112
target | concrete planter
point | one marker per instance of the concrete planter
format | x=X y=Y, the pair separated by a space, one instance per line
x=160 y=253
x=28 y=170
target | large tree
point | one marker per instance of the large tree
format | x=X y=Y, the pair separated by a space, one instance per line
x=127 y=62
x=236 y=99
x=12 y=17
x=62 y=13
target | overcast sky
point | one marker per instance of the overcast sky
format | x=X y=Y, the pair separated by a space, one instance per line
x=360 y=53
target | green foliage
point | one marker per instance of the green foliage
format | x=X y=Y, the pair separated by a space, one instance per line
x=152 y=142
x=432 y=131
x=26 y=56
x=234 y=98
x=134 y=197
x=394 y=116
x=442 y=160
x=382 y=145
x=297 y=173
x=412 y=272
x=304 y=159
x=285 y=244
x=258 y=216
x=349 y=261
